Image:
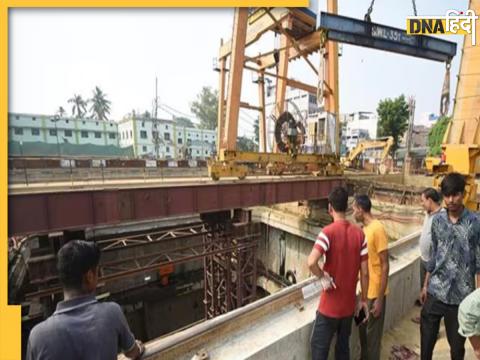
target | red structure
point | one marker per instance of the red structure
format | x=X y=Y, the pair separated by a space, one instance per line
x=35 y=213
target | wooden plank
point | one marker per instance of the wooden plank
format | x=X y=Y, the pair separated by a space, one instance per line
x=332 y=97
x=306 y=45
x=256 y=30
x=290 y=82
x=299 y=85
x=250 y=107
x=288 y=24
x=221 y=104
x=235 y=78
x=262 y=131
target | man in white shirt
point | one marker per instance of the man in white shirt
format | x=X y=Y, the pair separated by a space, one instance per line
x=431 y=201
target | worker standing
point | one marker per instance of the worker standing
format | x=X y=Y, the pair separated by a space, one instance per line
x=82 y=328
x=344 y=247
x=452 y=270
x=378 y=268
x=431 y=204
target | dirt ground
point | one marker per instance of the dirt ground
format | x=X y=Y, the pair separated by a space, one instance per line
x=407 y=333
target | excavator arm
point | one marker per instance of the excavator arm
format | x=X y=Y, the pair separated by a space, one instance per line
x=385 y=143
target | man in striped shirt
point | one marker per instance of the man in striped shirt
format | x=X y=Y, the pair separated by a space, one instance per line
x=345 y=253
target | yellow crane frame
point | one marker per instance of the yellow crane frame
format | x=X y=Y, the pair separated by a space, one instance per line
x=461 y=142
x=298 y=39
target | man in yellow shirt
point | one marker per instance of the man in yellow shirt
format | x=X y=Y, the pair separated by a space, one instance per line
x=378 y=268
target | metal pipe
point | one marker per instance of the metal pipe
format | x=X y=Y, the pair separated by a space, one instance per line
x=165 y=343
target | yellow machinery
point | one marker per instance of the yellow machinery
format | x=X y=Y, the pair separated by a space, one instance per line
x=382 y=143
x=430 y=162
x=301 y=34
x=461 y=142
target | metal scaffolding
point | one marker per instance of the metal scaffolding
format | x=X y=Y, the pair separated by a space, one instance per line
x=231 y=270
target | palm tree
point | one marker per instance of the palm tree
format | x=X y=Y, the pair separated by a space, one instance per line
x=79 y=106
x=100 y=105
x=61 y=112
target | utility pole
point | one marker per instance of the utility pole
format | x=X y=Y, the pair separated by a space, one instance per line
x=411 y=119
x=156 y=132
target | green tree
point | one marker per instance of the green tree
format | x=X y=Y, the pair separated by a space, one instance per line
x=100 y=105
x=205 y=107
x=435 y=136
x=245 y=144
x=393 y=119
x=183 y=121
x=79 y=107
x=61 y=111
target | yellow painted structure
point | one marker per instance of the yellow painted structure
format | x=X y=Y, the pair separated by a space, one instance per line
x=461 y=142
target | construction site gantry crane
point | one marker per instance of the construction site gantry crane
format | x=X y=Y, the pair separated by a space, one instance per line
x=298 y=39
x=300 y=145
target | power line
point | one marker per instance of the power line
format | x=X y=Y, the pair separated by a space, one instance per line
x=179 y=112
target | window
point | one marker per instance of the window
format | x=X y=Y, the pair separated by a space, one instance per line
x=189 y=142
x=144 y=148
x=155 y=134
x=18 y=131
x=98 y=135
x=17 y=117
x=34 y=118
x=66 y=121
x=198 y=152
x=68 y=133
x=197 y=135
x=83 y=122
x=155 y=126
x=96 y=123
x=143 y=134
x=166 y=127
x=35 y=131
x=111 y=136
x=84 y=134
x=111 y=125
x=166 y=136
x=131 y=134
x=188 y=134
x=167 y=149
x=53 y=132
x=143 y=124
x=179 y=141
x=179 y=133
x=206 y=152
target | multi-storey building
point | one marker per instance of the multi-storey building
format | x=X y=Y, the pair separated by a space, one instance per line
x=54 y=130
x=164 y=139
x=159 y=138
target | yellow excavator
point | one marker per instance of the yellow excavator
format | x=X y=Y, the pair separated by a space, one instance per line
x=461 y=142
x=385 y=144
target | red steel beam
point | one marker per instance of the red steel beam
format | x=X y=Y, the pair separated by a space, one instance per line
x=34 y=213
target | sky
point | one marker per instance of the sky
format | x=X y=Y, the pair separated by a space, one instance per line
x=55 y=53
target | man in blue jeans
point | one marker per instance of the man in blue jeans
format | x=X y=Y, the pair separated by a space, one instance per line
x=452 y=271
x=345 y=253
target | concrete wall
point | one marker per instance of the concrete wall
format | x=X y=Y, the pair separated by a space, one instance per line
x=173 y=313
x=277 y=246
x=283 y=331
